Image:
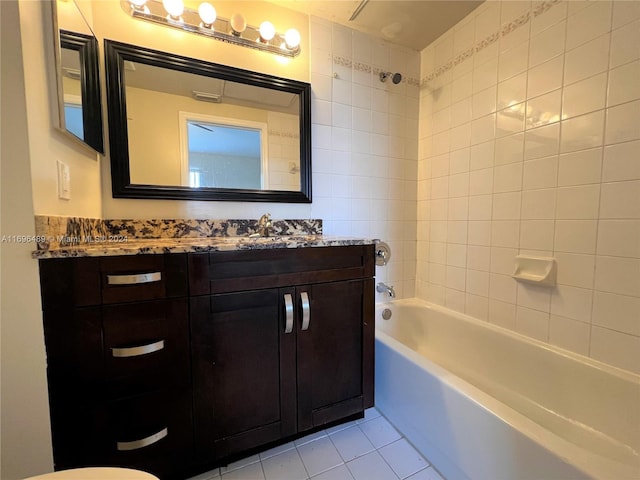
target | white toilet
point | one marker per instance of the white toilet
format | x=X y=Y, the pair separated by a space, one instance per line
x=96 y=473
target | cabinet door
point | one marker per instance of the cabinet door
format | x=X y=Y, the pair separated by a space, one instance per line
x=331 y=358
x=244 y=370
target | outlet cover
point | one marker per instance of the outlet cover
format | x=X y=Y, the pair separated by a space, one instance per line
x=64 y=181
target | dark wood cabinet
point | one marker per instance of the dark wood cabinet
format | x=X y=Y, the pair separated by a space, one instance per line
x=176 y=363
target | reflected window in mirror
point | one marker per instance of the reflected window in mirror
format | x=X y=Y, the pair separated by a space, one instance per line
x=76 y=51
x=183 y=128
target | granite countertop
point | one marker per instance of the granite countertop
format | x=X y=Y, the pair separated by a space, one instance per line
x=125 y=246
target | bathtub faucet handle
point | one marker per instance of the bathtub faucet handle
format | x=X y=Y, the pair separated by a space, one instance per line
x=384 y=288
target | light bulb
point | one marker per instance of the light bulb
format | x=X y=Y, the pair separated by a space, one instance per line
x=173 y=7
x=207 y=14
x=238 y=24
x=138 y=4
x=292 y=38
x=267 y=31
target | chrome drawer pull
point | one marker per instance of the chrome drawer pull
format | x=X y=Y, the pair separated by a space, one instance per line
x=134 y=279
x=306 y=312
x=123 y=352
x=143 y=442
x=288 y=308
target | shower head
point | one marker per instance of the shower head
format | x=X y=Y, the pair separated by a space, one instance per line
x=396 y=78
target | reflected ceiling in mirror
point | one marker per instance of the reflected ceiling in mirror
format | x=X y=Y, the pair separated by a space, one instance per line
x=184 y=128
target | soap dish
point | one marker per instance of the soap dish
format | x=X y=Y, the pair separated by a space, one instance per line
x=536 y=270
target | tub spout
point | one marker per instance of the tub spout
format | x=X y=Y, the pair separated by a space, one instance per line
x=383 y=288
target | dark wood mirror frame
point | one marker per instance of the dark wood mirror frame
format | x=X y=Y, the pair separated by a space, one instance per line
x=117 y=53
x=87 y=47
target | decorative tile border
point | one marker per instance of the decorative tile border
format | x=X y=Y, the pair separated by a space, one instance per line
x=57 y=232
x=505 y=30
x=364 y=68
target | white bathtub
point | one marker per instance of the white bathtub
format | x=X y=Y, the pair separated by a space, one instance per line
x=484 y=403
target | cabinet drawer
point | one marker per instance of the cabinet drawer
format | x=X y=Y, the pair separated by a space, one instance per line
x=146 y=345
x=147 y=277
x=220 y=272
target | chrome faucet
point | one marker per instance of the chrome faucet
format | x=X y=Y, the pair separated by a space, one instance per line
x=384 y=288
x=265 y=226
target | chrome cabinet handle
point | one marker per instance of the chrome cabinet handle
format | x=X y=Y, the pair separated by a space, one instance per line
x=134 y=279
x=122 y=352
x=306 y=312
x=143 y=442
x=288 y=308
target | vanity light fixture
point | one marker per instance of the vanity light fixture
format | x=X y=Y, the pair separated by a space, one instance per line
x=204 y=21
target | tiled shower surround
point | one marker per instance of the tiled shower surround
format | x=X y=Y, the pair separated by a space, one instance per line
x=529 y=143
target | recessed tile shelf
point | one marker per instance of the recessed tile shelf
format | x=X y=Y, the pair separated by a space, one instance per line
x=536 y=270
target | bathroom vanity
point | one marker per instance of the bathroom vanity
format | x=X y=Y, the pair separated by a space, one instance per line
x=178 y=362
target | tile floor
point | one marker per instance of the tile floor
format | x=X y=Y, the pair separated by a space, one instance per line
x=366 y=449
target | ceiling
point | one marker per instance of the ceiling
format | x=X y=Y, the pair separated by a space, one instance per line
x=414 y=24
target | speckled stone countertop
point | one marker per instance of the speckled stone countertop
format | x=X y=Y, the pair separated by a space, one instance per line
x=62 y=237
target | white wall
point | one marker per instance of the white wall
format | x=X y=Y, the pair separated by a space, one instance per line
x=24 y=424
x=529 y=144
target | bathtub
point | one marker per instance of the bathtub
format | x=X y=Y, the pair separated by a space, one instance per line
x=484 y=403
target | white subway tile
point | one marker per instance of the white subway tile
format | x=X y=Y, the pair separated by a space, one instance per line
x=506 y=206
x=575 y=236
x=503 y=260
x=459 y=208
x=626 y=318
x=456 y=278
x=620 y=200
x=482 y=155
x=478 y=283
x=624 y=85
x=579 y=202
x=463 y=36
x=479 y=232
x=587 y=60
x=438 y=252
x=510 y=120
x=621 y=162
x=534 y=297
x=481 y=182
x=438 y=231
x=625 y=12
x=614 y=348
x=532 y=323
x=502 y=314
x=547 y=44
x=619 y=238
x=588 y=24
x=537 y=234
x=543 y=110
x=511 y=91
x=569 y=334
x=618 y=275
x=513 y=62
x=545 y=77
x=478 y=257
x=457 y=255
x=440 y=209
x=461 y=112
x=624 y=44
x=484 y=102
x=505 y=233
x=502 y=287
x=507 y=178
x=457 y=232
x=460 y=136
x=480 y=207
x=462 y=87
x=575 y=269
x=572 y=302
x=455 y=300
x=585 y=96
x=549 y=18
x=540 y=173
x=623 y=123
x=509 y=149
x=341 y=115
x=485 y=76
x=542 y=141
x=585 y=131
x=580 y=168
x=459 y=161
x=538 y=204
x=483 y=129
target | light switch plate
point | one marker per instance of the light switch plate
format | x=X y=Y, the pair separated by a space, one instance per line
x=64 y=181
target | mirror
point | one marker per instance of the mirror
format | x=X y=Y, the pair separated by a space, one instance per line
x=79 y=102
x=181 y=128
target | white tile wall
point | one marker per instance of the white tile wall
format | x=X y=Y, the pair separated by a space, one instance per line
x=544 y=125
x=365 y=147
